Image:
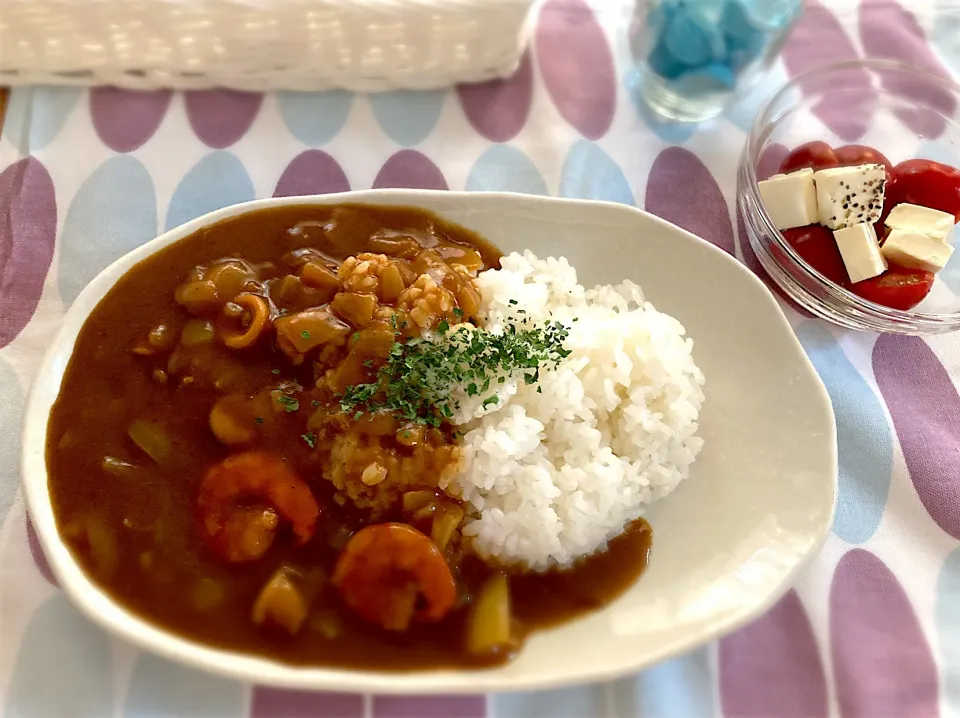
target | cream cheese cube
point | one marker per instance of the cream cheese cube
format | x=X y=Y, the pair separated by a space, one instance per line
x=916 y=250
x=847 y=196
x=860 y=251
x=791 y=199
x=921 y=220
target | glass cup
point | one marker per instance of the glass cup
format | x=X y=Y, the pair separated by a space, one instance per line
x=694 y=57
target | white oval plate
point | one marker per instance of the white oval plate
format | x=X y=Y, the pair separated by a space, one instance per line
x=727 y=543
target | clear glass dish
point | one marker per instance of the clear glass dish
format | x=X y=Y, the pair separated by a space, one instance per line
x=900 y=110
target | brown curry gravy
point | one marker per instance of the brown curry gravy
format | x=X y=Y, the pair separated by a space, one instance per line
x=136 y=535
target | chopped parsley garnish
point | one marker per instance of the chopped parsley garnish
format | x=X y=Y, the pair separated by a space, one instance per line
x=289 y=402
x=311 y=439
x=419 y=375
x=274 y=371
x=305 y=334
x=457 y=312
x=259 y=420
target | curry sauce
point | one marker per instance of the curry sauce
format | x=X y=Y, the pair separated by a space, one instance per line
x=224 y=358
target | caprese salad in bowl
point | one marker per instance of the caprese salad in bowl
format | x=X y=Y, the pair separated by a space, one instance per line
x=848 y=234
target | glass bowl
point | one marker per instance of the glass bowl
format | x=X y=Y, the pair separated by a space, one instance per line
x=900 y=110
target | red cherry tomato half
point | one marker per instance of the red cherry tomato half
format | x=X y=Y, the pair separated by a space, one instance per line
x=897 y=288
x=926 y=183
x=815 y=243
x=853 y=155
x=818 y=155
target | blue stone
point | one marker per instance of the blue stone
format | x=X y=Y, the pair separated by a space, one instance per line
x=745 y=42
x=663 y=63
x=735 y=23
x=690 y=39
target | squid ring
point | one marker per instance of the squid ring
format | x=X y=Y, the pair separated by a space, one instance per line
x=260 y=316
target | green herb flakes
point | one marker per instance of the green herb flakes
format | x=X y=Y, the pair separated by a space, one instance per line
x=419 y=374
x=311 y=439
x=289 y=403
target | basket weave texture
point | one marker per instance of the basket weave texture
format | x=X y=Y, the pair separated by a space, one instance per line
x=361 y=45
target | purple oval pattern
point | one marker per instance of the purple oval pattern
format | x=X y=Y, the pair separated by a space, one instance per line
x=818 y=39
x=36 y=551
x=753 y=264
x=124 y=119
x=429 y=706
x=28 y=231
x=498 y=109
x=311 y=172
x=773 y=667
x=925 y=408
x=221 y=117
x=410 y=169
x=882 y=663
x=770 y=160
x=279 y=703
x=889 y=31
x=577 y=66
x=681 y=190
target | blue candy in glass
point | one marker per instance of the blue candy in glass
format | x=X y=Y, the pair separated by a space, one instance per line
x=694 y=57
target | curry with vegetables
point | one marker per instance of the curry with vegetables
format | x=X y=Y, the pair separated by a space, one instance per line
x=252 y=436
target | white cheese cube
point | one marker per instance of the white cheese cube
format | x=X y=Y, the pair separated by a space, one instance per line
x=860 y=251
x=920 y=220
x=847 y=196
x=790 y=200
x=916 y=250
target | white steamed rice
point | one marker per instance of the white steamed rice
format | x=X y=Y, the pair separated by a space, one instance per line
x=552 y=476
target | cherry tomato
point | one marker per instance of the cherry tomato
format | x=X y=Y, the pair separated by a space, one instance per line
x=853 y=155
x=817 y=155
x=815 y=243
x=897 y=288
x=926 y=183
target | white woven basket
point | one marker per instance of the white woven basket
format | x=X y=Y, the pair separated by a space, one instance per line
x=363 y=45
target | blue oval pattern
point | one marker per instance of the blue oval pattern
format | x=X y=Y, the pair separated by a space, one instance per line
x=743 y=112
x=675 y=133
x=35 y=115
x=315 y=118
x=94 y=232
x=946 y=33
x=11 y=398
x=864 y=439
x=216 y=181
x=589 y=173
x=408 y=116
x=948 y=629
x=160 y=689
x=504 y=168
x=563 y=703
x=63 y=667
x=679 y=688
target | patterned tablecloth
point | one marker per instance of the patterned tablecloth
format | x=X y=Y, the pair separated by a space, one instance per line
x=872 y=628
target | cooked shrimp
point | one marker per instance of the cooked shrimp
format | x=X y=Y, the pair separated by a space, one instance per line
x=390 y=574
x=242 y=499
